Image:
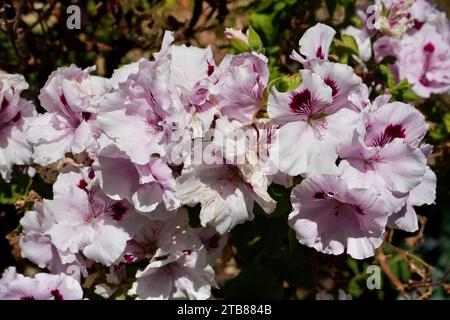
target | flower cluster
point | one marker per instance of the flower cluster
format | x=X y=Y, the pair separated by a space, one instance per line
x=15 y=115
x=363 y=161
x=44 y=286
x=421 y=46
x=132 y=151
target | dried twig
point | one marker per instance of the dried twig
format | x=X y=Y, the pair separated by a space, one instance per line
x=381 y=257
x=414 y=240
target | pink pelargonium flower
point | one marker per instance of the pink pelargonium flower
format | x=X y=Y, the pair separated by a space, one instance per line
x=342 y=81
x=192 y=76
x=231 y=33
x=240 y=89
x=116 y=276
x=313 y=117
x=143 y=108
x=384 y=154
x=226 y=193
x=36 y=245
x=212 y=241
x=314 y=44
x=227 y=182
x=69 y=125
x=14 y=82
x=193 y=72
x=396 y=167
x=15 y=115
x=44 y=286
x=386 y=122
x=152 y=233
x=121 y=74
x=88 y=221
x=395 y=18
x=145 y=186
x=423 y=53
x=424 y=60
x=333 y=218
x=425 y=12
x=178 y=266
x=424 y=193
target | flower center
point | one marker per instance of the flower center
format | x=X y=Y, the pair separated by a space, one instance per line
x=391 y=132
x=302 y=104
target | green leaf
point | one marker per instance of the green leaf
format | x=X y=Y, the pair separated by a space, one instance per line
x=347 y=43
x=409 y=95
x=17 y=189
x=91 y=7
x=254 y=40
x=439 y=132
x=286 y=83
x=400 y=87
x=279 y=6
x=446 y=119
x=350 y=42
x=240 y=45
x=402 y=91
x=405 y=274
x=394 y=266
x=388 y=60
x=282 y=196
x=386 y=74
x=356 y=21
x=121 y=296
x=263 y=23
x=344 y=58
x=354 y=289
x=353 y=265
